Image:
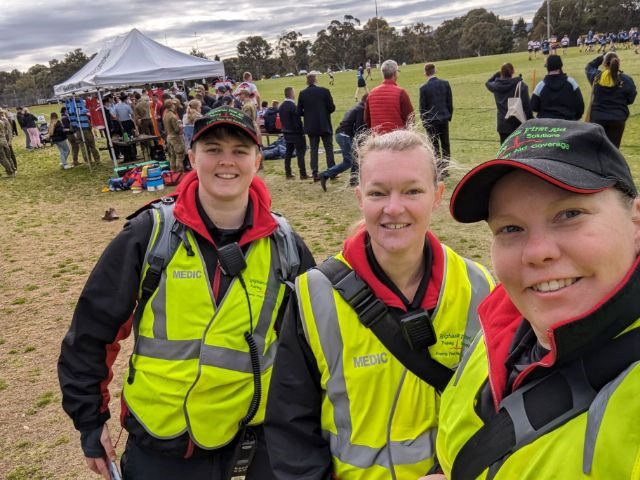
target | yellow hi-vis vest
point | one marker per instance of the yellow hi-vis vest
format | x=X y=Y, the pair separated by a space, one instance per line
x=191 y=361
x=379 y=418
x=600 y=444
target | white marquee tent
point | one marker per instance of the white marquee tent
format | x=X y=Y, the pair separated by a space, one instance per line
x=134 y=59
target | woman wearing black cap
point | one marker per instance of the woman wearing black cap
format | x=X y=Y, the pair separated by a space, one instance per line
x=550 y=390
x=200 y=279
x=612 y=93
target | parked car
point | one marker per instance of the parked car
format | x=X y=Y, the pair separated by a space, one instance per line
x=275 y=76
x=289 y=75
x=302 y=72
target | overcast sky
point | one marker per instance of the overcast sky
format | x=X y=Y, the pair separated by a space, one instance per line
x=36 y=31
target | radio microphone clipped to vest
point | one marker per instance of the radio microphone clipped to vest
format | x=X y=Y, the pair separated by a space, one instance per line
x=231 y=259
x=417 y=329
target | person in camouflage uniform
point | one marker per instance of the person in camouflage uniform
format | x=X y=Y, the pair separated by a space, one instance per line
x=4 y=115
x=5 y=140
x=175 y=140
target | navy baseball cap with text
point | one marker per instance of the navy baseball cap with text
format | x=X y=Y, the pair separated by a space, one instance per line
x=574 y=156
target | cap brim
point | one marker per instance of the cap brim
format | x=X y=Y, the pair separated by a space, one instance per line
x=470 y=199
x=211 y=125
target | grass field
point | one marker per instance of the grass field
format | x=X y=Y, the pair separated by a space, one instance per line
x=51 y=235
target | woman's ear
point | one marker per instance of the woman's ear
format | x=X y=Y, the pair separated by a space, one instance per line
x=259 y=159
x=635 y=218
x=192 y=156
x=438 y=194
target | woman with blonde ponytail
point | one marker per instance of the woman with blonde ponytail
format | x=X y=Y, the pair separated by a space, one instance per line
x=612 y=93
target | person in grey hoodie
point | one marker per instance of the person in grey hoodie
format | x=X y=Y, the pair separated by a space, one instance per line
x=557 y=95
x=503 y=85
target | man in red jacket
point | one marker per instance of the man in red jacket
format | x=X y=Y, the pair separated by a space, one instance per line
x=388 y=106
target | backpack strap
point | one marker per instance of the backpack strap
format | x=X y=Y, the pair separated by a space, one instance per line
x=288 y=256
x=545 y=404
x=170 y=233
x=375 y=315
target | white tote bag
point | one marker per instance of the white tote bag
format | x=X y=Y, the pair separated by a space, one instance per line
x=514 y=106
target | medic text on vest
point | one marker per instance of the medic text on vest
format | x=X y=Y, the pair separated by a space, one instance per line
x=370 y=360
x=187 y=274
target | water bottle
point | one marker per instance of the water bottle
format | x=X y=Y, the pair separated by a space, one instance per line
x=125 y=136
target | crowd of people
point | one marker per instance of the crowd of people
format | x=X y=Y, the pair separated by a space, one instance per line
x=623 y=39
x=590 y=42
x=558 y=96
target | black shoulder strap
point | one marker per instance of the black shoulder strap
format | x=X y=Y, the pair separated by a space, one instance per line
x=168 y=237
x=376 y=316
x=544 y=405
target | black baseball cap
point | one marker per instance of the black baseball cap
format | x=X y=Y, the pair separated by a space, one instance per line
x=574 y=156
x=225 y=116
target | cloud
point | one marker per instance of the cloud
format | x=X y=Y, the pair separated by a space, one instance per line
x=37 y=31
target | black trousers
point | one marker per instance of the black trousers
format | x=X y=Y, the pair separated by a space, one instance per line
x=138 y=463
x=614 y=130
x=130 y=153
x=327 y=143
x=297 y=142
x=439 y=134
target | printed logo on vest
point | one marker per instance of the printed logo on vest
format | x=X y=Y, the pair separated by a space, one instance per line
x=181 y=274
x=370 y=360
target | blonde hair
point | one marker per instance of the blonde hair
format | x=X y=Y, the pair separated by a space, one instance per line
x=53 y=119
x=193 y=111
x=250 y=110
x=395 y=141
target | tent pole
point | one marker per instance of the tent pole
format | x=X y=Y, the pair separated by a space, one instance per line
x=84 y=143
x=112 y=152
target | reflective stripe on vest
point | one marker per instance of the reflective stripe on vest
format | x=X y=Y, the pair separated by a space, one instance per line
x=369 y=413
x=599 y=444
x=193 y=369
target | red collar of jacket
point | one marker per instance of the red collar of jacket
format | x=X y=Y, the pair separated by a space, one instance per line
x=568 y=339
x=355 y=253
x=186 y=210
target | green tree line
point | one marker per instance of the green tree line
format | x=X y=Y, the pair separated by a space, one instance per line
x=347 y=42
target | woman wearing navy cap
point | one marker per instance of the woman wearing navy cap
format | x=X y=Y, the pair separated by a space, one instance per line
x=550 y=389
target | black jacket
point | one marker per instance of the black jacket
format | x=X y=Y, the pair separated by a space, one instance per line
x=610 y=103
x=101 y=318
x=20 y=117
x=502 y=89
x=353 y=121
x=558 y=96
x=315 y=105
x=29 y=120
x=291 y=121
x=436 y=101
x=59 y=134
